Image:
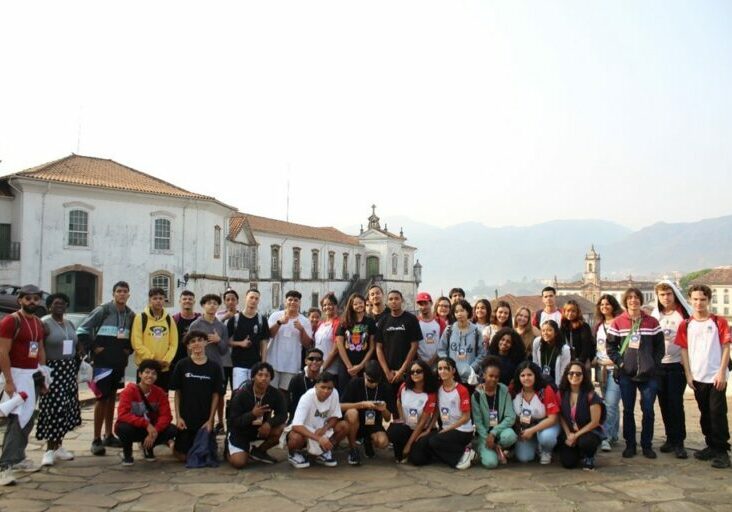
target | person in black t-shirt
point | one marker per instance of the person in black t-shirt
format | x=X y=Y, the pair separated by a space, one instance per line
x=376 y=308
x=397 y=339
x=249 y=332
x=183 y=320
x=367 y=402
x=197 y=383
x=257 y=411
x=355 y=339
x=304 y=380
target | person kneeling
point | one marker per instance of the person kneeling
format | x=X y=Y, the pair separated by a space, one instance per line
x=143 y=414
x=257 y=411
x=317 y=425
x=367 y=402
x=494 y=415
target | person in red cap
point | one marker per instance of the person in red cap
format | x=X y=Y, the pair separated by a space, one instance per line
x=431 y=327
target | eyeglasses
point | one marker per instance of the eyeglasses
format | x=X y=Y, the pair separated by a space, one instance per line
x=314 y=359
x=574 y=374
x=416 y=372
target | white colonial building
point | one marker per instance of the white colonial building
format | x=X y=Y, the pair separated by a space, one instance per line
x=719 y=279
x=79 y=224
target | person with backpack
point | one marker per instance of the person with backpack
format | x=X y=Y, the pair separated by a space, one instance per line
x=582 y=415
x=21 y=353
x=155 y=335
x=257 y=412
x=249 y=332
x=463 y=342
x=105 y=335
x=536 y=405
x=705 y=347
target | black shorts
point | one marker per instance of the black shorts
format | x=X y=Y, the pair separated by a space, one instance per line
x=228 y=378
x=109 y=385
x=365 y=431
x=244 y=438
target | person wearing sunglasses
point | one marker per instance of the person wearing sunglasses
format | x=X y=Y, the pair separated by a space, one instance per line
x=366 y=403
x=304 y=380
x=581 y=417
x=416 y=402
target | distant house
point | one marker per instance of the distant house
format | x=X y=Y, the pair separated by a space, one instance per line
x=592 y=286
x=78 y=224
x=534 y=303
x=720 y=281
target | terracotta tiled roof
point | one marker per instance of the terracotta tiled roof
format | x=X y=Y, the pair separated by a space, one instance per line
x=237 y=223
x=103 y=173
x=280 y=227
x=717 y=276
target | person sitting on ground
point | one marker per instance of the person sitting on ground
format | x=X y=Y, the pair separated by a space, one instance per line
x=581 y=418
x=257 y=412
x=143 y=414
x=451 y=444
x=537 y=410
x=367 y=402
x=493 y=415
x=416 y=403
x=197 y=383
x=304 y=380
x=317 y=426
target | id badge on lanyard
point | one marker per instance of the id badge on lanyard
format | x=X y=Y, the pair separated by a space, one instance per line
x=445 y=414
x=33 y=348
x=370 y=417
x=546 y=370
x=492 y=418
x=634 y=341
x=412 y=418
x=525 y=416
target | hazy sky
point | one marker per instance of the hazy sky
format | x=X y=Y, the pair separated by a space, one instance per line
x=506 y=113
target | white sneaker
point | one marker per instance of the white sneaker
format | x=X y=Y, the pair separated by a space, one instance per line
x=48 y=458
x=7 y=477
x=27 y=466
x=466 y=459
x=298 y=460
x=605 y=446
x=545 y=458
x=63 y=454
x=326 y=459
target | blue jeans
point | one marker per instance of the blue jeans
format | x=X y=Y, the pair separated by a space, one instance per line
x=611 y=395
x=628 y=391
x=545 y=439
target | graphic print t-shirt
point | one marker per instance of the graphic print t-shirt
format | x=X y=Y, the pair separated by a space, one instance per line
x=197 y=384
x=451 y=406
x=357 y=339
x=414 y=405
x=312 y=414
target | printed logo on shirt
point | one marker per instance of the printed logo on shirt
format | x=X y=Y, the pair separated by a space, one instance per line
x=190 y=375
x=158 y=331
x=321 y=414
x=396 y=328
x=356 y=339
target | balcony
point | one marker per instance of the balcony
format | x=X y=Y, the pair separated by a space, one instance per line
x=9 y=251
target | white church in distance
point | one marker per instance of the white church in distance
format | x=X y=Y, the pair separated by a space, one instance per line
x=79 y=224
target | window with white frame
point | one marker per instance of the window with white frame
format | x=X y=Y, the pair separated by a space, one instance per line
x=78 y=228
x=331 y=265
x=296 y=263
x=161 y=234
x=345 y=265
x=217 y=242
x=163 y=279
x=275 y=261
x=315 y=265
x=394 y=263
x=406 y=264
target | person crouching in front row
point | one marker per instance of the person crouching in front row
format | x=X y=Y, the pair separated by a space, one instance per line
x=143 y=414
x=257 y=412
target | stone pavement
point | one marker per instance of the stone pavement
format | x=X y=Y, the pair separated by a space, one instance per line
x=101 y=483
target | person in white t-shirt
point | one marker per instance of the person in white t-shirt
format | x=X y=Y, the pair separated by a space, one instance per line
x=290 y=332
x=550 y=311
x=705 y=347
x=670 y=311
x=431 y=327
x=317 y=427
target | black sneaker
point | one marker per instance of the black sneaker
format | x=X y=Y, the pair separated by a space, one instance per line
x=720 y=460
x=127 y=459
x=149 y=455
x=588 y=463
x=704 y=454
x=680 y=452
x=368 y=448
x=629 y=452
x=648 y=453
x=112 y=442
x=666 y=447
x=97 y=447
x=260 y=455
x=219 y=429
x=354 y=456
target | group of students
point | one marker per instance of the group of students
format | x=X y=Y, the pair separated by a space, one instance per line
x=452 y=383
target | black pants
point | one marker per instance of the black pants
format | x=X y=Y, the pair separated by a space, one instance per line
x=586 y=446
x=399 y=434
x=713 y=408
x=671 y=386
x=129 y=434
x=447 y=447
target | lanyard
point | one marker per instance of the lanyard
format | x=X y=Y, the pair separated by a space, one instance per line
x=305 y=382
x=546 y=363
x=65 y=330
x=124 y=320
x=33 y=333
x=366 y=390
x=492 y=403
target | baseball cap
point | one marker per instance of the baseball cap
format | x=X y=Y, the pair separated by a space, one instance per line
x=28 y=289
x=424 y=297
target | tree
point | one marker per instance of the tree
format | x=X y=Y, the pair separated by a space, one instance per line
x=684 y=281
